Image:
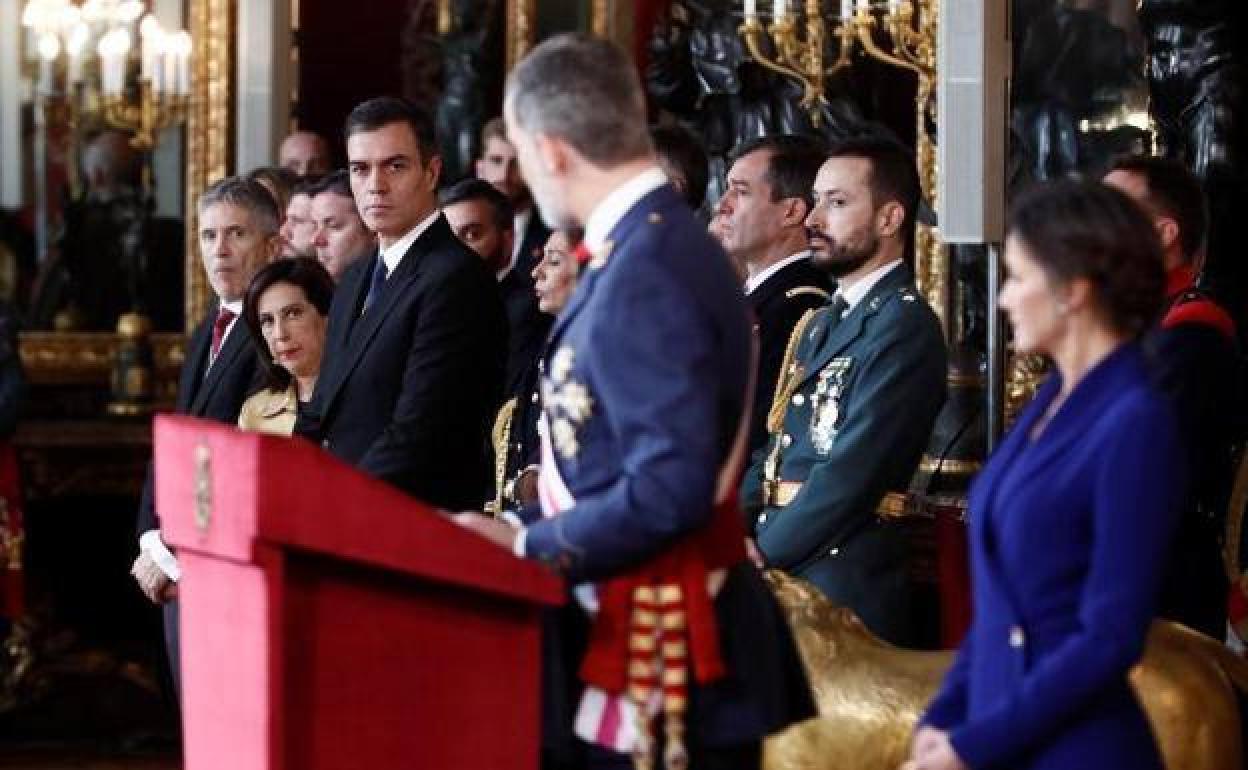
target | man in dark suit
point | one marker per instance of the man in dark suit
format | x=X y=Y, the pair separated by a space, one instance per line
x=763 y=226
x=481 y=217
x=855 y=410
x=238 y=224
x=417 y=339
x=645 y=387
x=498 y=166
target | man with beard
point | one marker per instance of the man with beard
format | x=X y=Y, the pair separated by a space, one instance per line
x=644 y=393
x=857 y=399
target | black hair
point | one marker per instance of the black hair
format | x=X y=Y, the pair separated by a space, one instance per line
x=304 y=272
x=381 y=111
x=1083 y=229
x=792 y=162
x=474 y=189
x=1175 y=192
x=894 y=177
x=685 y=152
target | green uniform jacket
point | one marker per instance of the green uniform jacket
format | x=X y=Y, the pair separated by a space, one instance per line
x=868 y=392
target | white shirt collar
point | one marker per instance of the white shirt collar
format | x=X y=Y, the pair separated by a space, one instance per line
x=235 y=307
x=759 y=278
x=860 y=288
x=611 y=209
x=393 y=254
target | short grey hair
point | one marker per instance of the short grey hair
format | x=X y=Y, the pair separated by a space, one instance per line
x=585 y=91
x=246 y=194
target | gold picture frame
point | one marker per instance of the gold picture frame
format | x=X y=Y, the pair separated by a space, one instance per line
x=60 y=358
x=611 y=19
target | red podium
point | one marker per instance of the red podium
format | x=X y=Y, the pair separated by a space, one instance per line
x=330 y=621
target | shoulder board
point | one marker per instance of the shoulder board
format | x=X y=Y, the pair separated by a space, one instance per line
x=799 y=291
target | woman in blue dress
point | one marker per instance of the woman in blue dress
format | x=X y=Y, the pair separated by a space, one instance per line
x=1072 y=515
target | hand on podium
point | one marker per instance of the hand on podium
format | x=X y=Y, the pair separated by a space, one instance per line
x=498 y=531
x=152 y=580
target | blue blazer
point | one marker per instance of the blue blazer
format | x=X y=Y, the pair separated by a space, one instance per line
x=658 y=335
x=646 y=378
x=1068 y=537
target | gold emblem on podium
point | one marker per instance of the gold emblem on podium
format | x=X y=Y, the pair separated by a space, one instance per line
x=203 y=488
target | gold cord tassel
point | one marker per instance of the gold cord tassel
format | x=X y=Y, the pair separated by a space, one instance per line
x=790 y=375
x=500 y=437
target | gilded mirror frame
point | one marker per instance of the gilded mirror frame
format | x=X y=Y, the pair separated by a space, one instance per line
x=65 y=358
x=608 y=18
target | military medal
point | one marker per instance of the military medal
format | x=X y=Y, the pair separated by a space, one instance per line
x=825 y=404
x=568 y=403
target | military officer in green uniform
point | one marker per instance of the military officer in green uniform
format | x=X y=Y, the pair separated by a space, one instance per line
x=858 y=393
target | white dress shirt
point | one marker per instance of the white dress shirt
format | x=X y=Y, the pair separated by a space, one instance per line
x=392 y=255
x=759 y=278
x=855 y=292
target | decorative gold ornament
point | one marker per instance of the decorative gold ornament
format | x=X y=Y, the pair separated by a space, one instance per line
x=871 y=694
x=203 y=488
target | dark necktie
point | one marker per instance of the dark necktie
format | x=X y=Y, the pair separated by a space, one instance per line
x=222 y=322
x=837 y=308
x=374 y=287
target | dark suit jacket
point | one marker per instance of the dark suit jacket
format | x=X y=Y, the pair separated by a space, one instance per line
x=217 y=396
x=527 y=326
x=1068 y=534
x=408 y=391
x=1199 y=368
x=778 y=303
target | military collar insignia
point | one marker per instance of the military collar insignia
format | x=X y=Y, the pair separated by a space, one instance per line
x=599 y=261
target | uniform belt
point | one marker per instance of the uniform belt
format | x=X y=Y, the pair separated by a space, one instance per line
x=894 y=505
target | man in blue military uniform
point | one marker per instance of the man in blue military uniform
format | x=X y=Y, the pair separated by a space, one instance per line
x=644 y=394
x=856 y=400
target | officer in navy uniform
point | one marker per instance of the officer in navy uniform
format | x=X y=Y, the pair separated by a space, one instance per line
x=763 y=214
x=857 y=398
x=644 y=394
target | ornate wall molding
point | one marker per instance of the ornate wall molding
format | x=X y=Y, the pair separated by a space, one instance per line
x=209 y=129
x=521 y=29
x=86 y=358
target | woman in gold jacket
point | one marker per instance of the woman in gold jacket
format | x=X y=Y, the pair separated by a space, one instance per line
x=285 y=310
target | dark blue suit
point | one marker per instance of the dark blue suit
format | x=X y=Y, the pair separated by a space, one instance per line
x=646 y=377
x=1068 y=537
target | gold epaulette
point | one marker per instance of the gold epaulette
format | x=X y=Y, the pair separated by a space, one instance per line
x=500 y=437
x=798 y=291
x=790 y=374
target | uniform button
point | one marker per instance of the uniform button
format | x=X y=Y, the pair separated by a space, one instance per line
x=533 y=398
x=785 y=440
x=762 y=518
x=834 y=552
x=1017 y=637
x=799 y=399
